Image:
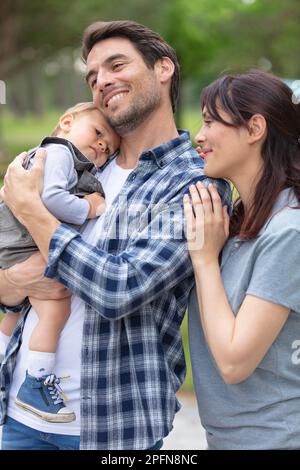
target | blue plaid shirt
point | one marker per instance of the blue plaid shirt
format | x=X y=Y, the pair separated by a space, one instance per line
x=135 y=284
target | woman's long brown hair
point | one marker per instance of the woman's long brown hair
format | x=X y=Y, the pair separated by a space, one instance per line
x=257 y=92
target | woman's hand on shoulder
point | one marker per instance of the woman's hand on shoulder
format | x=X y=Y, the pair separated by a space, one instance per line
x=207 y=223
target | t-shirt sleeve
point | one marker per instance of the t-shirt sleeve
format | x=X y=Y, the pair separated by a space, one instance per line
x=276 y=272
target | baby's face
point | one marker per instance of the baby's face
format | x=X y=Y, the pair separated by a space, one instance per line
x=93 y=136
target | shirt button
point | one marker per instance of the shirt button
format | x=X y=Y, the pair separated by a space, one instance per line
x=2 y=389
x=133 y=177
x=236 y=245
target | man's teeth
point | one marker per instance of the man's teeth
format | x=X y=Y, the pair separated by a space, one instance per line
x=115 y=98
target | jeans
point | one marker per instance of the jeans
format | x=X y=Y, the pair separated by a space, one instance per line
x=17 y=436
x=157 y=446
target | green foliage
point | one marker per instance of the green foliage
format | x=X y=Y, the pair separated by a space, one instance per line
x=188 y=383
x=38 y=31
x=208 y=35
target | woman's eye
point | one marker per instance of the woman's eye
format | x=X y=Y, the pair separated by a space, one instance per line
x=98 y=133
x=93 y=84
x=207 y=121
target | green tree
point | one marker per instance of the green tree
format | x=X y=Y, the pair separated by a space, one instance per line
x=210 y=36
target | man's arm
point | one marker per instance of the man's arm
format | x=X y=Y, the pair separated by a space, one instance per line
x=114 y=285
x=27 y=279
x=9 y=296
x=117 y=285
x=27 y=205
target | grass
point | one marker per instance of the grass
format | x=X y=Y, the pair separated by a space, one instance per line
x=188 y=383
x=23 y=133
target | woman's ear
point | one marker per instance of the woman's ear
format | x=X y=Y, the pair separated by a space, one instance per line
x=257 y=128
x=65 y=122
x=165 y=68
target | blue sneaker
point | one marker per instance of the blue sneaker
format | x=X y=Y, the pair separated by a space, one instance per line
x=43 y=397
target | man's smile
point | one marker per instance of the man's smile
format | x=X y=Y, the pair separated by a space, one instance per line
x=114 y=96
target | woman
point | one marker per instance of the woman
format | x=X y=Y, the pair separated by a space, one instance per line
x=245 y=334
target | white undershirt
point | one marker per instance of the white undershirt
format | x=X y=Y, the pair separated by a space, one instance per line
x=68 y=355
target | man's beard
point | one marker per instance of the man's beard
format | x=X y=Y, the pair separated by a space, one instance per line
x=136 y=114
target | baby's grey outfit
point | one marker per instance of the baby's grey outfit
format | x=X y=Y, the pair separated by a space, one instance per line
x=68 y=176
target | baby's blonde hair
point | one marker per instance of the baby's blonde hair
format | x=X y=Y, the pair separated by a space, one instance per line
x=77 y=109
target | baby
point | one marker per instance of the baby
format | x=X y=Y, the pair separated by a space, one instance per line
x=81 y=142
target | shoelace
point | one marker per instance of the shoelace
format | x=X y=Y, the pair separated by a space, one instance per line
x=52 y=383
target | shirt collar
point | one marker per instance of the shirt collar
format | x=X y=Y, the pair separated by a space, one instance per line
x=165 y=153
x=286 y=198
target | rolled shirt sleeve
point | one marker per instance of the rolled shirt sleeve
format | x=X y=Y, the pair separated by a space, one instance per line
x=16 y=308
x=117 y=285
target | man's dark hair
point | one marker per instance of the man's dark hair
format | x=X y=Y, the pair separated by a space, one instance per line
x=149 y=44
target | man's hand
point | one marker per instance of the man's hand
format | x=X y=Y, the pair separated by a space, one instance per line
x=97 y=204
x=27 y=280
x=22 y=188
x=21 y=192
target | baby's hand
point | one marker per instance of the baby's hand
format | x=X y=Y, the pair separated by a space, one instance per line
x=97 y=204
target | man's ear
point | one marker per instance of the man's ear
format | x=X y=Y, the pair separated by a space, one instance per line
x=165 y=68
x=257 y=128
x=66 y=121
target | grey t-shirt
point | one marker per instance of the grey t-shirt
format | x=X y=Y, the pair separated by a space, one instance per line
x=263 y=411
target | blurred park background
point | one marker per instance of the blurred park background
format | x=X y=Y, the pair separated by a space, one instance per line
x=41 y=72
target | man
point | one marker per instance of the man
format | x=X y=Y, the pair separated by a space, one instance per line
x=130 y=275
